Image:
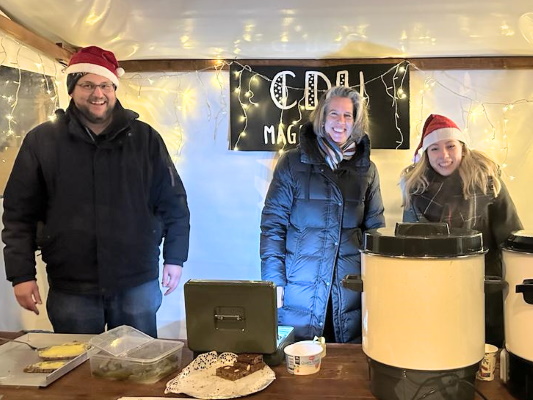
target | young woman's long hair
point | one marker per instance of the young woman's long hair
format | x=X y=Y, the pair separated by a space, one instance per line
x=360 y=111
x=477 y=172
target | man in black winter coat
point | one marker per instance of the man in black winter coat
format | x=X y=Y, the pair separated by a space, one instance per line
x=97 y=192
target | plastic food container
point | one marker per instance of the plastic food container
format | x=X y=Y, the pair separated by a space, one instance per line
x=124 y=353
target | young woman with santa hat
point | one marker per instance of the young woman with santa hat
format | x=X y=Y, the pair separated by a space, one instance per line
x=450 y=182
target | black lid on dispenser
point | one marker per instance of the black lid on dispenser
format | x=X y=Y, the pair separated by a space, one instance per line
x=421 y=239
x=521 y=241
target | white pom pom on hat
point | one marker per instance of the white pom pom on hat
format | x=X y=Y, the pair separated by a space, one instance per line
x=436 y=128
x=94 y=60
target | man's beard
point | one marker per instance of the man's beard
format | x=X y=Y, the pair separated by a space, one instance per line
x=93 y=118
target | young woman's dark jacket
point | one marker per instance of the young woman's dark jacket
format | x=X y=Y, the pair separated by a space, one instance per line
x=312 y=225
x=495 y=217
x=104 y=204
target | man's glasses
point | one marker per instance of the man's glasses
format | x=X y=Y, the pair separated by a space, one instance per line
x=89 y=87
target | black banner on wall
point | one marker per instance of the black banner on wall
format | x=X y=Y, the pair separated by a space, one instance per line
x=269 y=104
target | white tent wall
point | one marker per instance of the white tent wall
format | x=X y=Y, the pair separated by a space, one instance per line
x=226 y=188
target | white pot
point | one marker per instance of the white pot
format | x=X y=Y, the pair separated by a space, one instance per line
x=517 y=256
x=423 y=314
x=423 y=298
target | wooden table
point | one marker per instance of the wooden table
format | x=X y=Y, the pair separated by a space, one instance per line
x=343 y=375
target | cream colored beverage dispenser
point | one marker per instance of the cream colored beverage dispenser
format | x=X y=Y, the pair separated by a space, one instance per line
x=422 y=310
x=517 y=361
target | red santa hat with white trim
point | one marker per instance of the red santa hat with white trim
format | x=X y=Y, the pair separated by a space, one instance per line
x=436 y=128
x=94 y=60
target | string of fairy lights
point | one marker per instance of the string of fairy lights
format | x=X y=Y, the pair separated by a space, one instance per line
x=27 y=97
x=247 y=102
x=195 y=90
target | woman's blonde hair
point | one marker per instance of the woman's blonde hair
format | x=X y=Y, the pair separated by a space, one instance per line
x=360 y=111
x=477 y=171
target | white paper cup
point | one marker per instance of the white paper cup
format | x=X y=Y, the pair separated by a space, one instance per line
x=303 y=358
x=488 y=364
x=318 y=340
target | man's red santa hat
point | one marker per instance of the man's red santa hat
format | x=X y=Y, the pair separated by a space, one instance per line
x=94 y=60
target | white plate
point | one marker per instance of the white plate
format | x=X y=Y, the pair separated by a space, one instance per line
x=199 y=379
x=15 y=356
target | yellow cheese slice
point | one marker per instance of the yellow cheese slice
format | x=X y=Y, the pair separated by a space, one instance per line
x=63 y=351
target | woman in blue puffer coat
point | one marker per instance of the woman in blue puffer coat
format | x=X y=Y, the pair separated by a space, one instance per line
x=324 y=194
